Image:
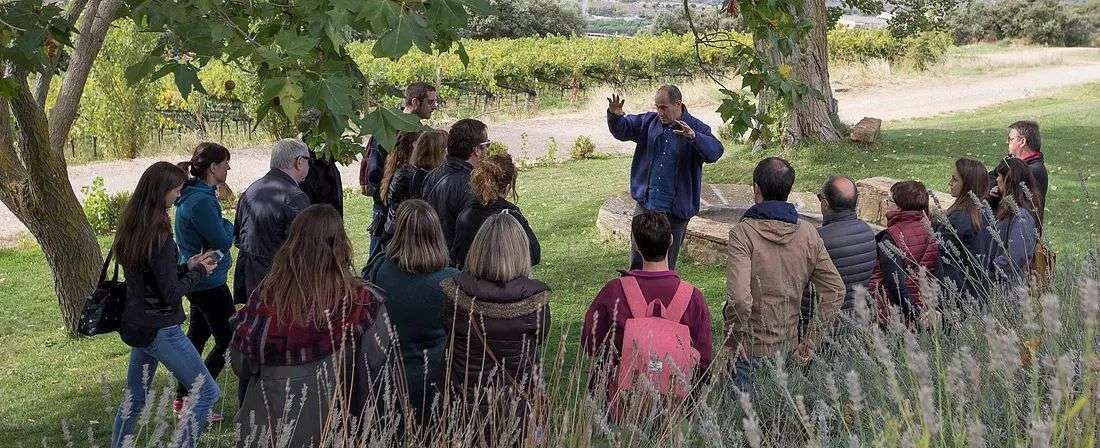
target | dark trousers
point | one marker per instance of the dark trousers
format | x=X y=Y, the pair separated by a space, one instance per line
x=377 y=229
x=679 y=230
x=210 y=313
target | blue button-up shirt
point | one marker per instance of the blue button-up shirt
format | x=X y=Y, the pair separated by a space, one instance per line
x=662 y=189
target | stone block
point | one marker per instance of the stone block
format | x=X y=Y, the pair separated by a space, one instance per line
x=874 y=195
x=866 y=131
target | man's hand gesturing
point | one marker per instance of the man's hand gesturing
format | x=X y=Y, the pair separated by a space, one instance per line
x=615 y=105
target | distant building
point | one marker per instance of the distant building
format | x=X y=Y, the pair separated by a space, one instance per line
x=866 y=22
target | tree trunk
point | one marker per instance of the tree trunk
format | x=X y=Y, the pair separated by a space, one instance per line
x=814 y=115
x=34 y=180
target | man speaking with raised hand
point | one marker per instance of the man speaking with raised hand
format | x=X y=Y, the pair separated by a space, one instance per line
x=666 y=174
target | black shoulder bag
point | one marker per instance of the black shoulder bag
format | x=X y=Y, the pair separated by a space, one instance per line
x=103 y=308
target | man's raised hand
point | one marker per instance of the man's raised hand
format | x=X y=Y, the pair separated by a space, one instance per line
x=615 y=105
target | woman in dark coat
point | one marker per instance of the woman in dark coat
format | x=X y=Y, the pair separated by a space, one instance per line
x=409 y=274
x=966 y=237
x=493 y=180
x=153 y=312
x=314 y=336
x=498 y=318
x=408 y=181
x=1018 y=226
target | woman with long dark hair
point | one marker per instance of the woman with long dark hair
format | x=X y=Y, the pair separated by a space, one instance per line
x=1018 y=224
x=309 y=320
x=155 y=285
x=200 y=227
x=966 y=242
x=406 y=183
x=397 y=159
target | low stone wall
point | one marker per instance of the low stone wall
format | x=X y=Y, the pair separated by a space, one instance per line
x=721 y=206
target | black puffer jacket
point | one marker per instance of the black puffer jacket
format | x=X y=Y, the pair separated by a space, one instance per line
x=513 y=318
x=447 y=189
x=851 y=245
x=470 y=221
x=406 y=184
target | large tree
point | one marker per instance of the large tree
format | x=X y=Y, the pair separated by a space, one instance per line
x=296 y=49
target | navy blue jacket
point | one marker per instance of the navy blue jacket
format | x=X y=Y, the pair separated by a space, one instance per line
x=644 y=129
x=200 y=227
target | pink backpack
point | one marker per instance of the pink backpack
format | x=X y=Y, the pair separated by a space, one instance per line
x=659 y=348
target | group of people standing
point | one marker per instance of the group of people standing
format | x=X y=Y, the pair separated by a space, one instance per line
x=447 y=291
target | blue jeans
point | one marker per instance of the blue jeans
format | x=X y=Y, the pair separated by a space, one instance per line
x=745 y=371
x=172 y=348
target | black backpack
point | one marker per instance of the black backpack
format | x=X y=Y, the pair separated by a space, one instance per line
x=103 y=308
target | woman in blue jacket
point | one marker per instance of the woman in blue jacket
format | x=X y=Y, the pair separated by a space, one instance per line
x=200 y=227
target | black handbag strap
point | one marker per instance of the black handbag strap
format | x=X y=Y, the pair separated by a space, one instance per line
x=106 y=263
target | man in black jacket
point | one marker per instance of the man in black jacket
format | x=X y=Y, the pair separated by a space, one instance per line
x=849 y=241
x=447 y=188
x=1024 y=143
x=264 y=214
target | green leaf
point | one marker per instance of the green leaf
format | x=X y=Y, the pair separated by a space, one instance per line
x=463 y=56
x=334 y=28
x=446 y=14
x=295 y=45
x=397 y=41
x=382 y=14
x=383 y=123
x=335 y=93
x=187 y=80
x=140 y=72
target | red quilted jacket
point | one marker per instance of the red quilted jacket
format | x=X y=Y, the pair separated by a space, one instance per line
x=911 y=233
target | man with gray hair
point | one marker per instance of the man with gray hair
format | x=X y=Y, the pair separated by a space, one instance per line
x=264 y=214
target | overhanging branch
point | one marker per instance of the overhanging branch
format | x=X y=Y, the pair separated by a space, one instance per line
x=46 y=77
x=93 y=30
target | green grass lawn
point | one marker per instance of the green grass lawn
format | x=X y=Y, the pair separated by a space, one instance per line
x=49 y=378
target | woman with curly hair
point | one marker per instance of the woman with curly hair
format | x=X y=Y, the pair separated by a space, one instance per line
x=493 y=181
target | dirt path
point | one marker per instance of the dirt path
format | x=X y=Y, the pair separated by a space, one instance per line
x=529 y=138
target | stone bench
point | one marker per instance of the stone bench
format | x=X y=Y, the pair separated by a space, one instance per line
x=722 y=205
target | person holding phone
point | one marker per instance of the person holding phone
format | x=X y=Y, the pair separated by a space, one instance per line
x=156 y=280
x=200 y=227
x=666 y=174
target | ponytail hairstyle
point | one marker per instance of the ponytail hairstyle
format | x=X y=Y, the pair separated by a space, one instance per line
x=204 y=155
x=494 y=177
x=397 y=159
x=429 y=150
x=144 y=223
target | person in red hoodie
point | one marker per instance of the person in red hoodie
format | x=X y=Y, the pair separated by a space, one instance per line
x=907 y=251
x=606 y=317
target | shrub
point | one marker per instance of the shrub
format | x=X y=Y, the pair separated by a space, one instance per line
x=1045 y=22
x=497 y=148
x=926 y=49
x=524 y=18
x=583 y=148
x=551 y=156
x=103 y=209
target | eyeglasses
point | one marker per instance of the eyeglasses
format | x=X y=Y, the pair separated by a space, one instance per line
x=484 y=145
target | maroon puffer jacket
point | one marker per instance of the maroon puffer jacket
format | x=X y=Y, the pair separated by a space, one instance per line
x=911 y=232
